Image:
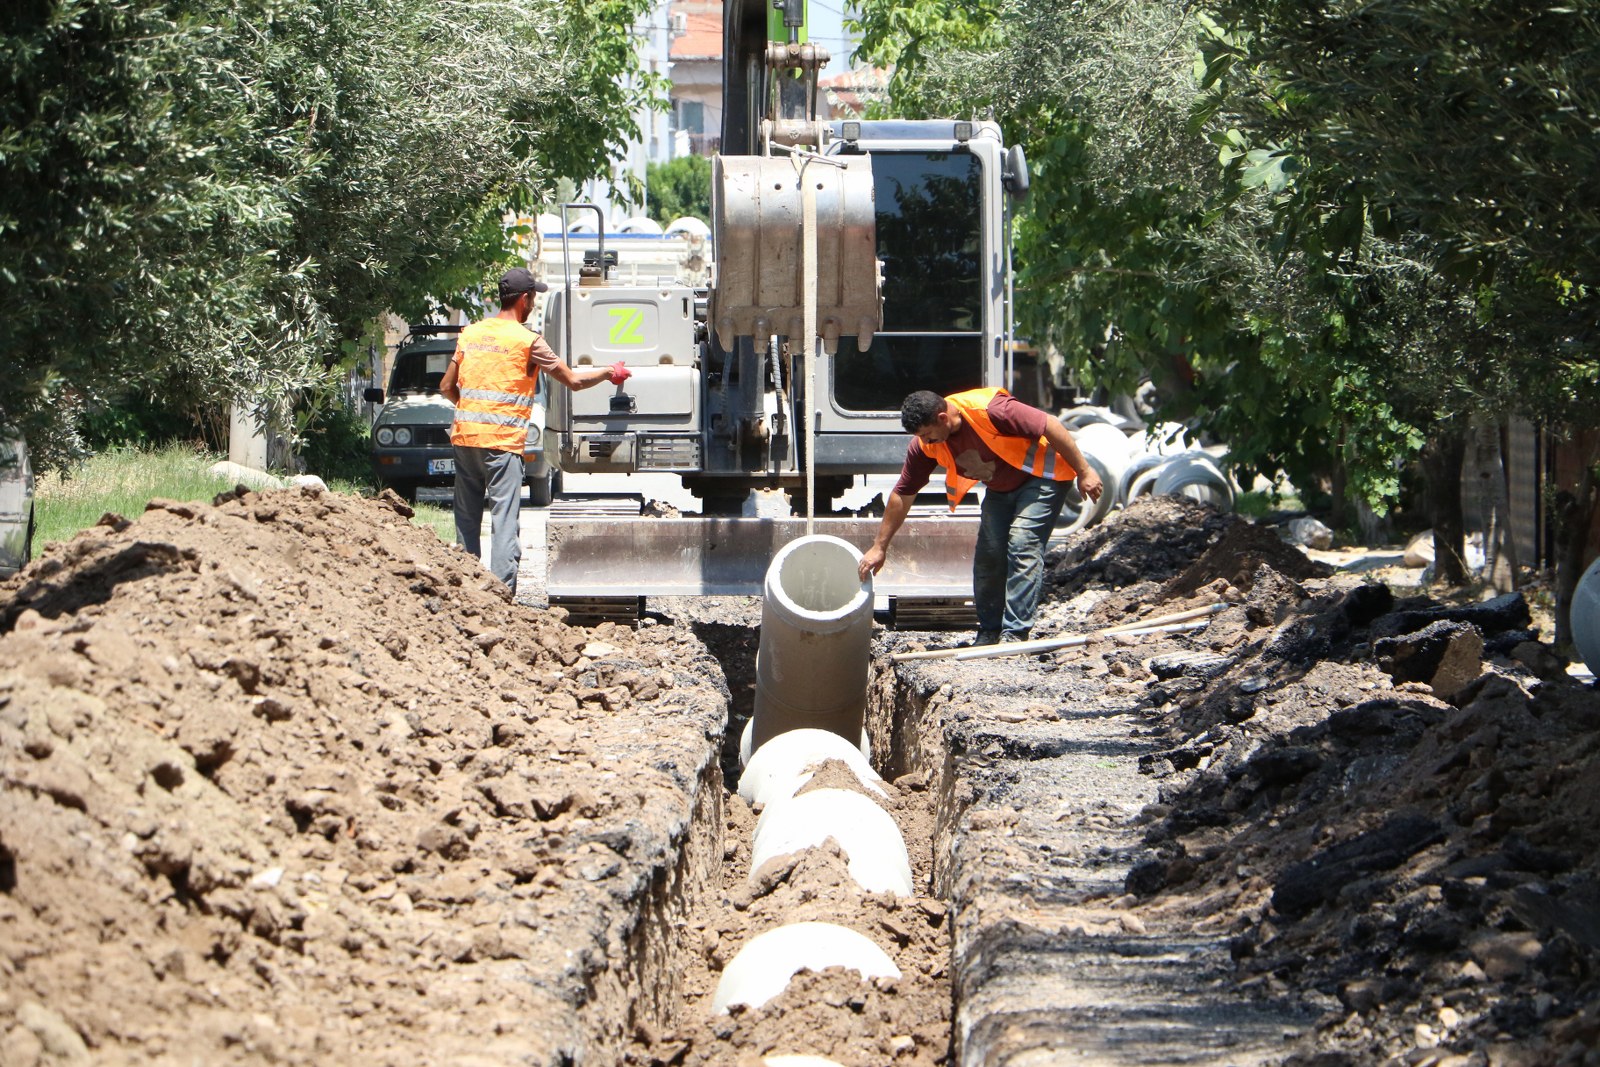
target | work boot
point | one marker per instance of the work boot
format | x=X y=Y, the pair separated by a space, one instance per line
x=982 y=637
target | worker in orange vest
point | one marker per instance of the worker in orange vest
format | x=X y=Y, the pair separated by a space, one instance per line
x=1027 y=461
x=491 y=380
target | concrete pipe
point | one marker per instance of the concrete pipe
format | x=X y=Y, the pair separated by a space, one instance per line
x=1586 y=617
x=1139 y=477
x=1106 y=449
x=816 y=629
x=1197 y=476
x=1089 y=414
x=783 y=765
x=876 y=851
x=764 y=966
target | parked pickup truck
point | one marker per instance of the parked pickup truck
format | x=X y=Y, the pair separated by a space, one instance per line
x=411 y=437
x=16 y=507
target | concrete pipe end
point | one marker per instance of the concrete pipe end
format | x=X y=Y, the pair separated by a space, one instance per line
x=1092 y=511
x=813 y=579
x=747 y=741
x=1197 y=476
x=765 y=964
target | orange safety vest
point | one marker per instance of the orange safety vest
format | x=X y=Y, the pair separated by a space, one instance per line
x=1037 y=457
x=495 y=408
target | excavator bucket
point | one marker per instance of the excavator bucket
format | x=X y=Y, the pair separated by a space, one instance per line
x=606 y=567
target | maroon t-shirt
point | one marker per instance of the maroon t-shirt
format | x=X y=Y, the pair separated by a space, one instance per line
x=974 y=459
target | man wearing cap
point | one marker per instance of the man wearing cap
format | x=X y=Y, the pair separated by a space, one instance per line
x=491 y=382
x=1027 y=461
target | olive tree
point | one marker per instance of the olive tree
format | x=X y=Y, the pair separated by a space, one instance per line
x=219 y=198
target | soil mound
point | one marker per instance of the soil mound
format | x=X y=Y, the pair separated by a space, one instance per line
x=1419 y=857
x=1151 y=540
x=1162 y=550
x=1243 y=549
x=286 y=779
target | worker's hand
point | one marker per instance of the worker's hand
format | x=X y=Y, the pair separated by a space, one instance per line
x=1089 y=484
x=871 y=562
x=619 y=373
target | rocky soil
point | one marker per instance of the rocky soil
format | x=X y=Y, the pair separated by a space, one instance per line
x=284 y=779
x=1392 y=806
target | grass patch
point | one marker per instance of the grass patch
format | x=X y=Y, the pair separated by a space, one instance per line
x=1258 y=504
x=122 y=481
x=440 y=519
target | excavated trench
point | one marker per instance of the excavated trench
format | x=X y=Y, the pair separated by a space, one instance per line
x=710 y=907
x=1016 y=786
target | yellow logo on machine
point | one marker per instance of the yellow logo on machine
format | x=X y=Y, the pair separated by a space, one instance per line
x=627 y=326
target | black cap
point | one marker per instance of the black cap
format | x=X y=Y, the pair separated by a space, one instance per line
x=519 y=280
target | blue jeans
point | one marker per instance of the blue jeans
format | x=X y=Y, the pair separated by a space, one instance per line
x=1008 y=566
x=481 y=473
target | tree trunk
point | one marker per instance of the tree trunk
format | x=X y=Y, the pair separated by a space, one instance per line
x=1491 y=505
x=1441 y=473
x=1573 y=515
x=1375 y=529
x=1340 y=488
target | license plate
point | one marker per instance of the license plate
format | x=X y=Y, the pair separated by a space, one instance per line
x=441 y=466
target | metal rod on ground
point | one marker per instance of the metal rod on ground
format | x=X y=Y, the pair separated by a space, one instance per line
x=1025 y=648
x=1161 y=620
x=1079 y=639
x=1045 y=645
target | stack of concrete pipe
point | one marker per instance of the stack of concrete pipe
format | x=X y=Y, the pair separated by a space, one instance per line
x=811 y=692
x=1133 y=461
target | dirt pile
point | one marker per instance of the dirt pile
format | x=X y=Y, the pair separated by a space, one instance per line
x=285 y=779
x=1393 y=807
x=1150 y=542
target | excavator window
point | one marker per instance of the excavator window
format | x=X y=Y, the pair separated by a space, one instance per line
x=930 y=238
x=880 y=378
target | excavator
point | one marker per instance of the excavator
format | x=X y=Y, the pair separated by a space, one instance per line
x=854 y=262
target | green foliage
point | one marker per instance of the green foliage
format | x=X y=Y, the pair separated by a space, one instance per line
x=146 y=417
x=1244 y=203
x=680 y=187
x=1462 y=136
x=120 y=481
x=909 y=38
x=228 y=193
x=1470 y=124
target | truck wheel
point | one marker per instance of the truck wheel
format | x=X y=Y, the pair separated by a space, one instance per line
x=542 y=490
